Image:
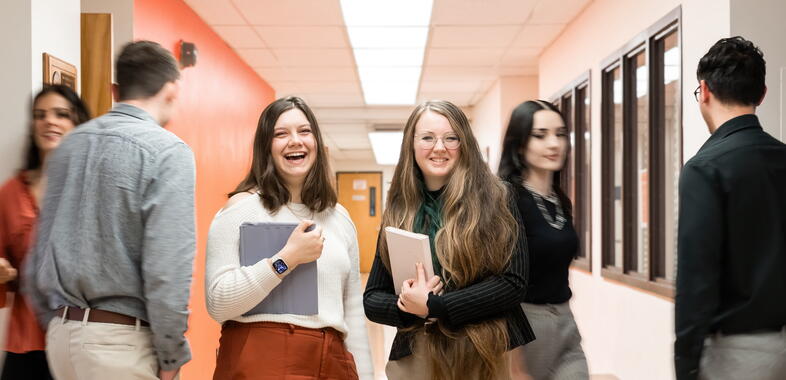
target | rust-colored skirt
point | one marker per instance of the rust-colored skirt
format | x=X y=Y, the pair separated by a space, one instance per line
x=278 y=351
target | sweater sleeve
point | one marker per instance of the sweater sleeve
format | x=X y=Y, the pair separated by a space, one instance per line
x=357 y=336
x=232 y=289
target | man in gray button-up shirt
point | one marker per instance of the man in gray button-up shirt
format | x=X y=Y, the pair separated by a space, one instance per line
x=116 y=234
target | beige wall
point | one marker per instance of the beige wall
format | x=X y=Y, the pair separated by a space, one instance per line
x=490 y=115
x=761 y=21
x=627 y=332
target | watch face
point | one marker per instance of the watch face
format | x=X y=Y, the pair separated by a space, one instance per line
x=280 y=266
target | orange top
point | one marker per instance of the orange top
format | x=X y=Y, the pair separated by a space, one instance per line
x=18 y=215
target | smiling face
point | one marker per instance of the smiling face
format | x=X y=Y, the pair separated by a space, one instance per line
x=294 y=147
x=436 y=161
x=52 y=120
x=548 y=142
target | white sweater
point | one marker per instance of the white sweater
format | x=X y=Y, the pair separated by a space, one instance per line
x=232 y=290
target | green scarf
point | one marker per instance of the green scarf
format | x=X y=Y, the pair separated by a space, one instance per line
x=428 y=220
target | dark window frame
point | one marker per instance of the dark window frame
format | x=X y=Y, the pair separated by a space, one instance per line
x=578 y=175
x=649 y=42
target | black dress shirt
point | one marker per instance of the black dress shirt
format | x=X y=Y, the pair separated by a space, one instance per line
x=550 y=250
x=492 y=297
x=732 y=240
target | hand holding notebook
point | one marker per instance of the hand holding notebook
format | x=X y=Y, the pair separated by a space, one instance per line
x=406 y=249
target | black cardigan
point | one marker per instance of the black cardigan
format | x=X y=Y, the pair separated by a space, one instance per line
x=493 y=297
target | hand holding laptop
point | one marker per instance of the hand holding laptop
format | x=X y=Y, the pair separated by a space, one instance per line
x=303 y=246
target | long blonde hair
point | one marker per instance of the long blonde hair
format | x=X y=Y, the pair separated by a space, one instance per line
x=476 y=240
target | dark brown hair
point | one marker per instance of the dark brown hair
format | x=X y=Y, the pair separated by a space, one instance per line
x=317 y=192
x=79 y=115
x=143 y=68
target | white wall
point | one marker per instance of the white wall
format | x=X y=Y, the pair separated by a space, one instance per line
x=15 y=31
x=761 y=21
x=122 y=21
x=627 y=332
x=55 y=26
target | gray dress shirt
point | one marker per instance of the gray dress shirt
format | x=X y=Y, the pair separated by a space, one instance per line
x=116 y=230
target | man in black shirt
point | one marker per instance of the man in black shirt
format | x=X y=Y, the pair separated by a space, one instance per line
x=731 y=281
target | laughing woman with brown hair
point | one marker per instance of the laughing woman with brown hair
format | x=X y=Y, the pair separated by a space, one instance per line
x=462 y=327
x=289 y=182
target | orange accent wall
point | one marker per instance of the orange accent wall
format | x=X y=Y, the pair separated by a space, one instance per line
x=220 y=101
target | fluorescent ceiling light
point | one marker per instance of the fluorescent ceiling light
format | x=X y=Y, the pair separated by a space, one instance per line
x=386 y=146
x=388 y=38
x=386 y=12
x=389 y=57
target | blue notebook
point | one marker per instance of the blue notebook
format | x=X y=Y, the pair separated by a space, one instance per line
x=298 y=291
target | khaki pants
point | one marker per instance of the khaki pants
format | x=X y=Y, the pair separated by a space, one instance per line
x=417 y=367
x=81 y=350
x=556 y=353
x=759 y=356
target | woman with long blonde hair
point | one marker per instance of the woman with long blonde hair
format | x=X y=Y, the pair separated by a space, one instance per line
x=460 y=323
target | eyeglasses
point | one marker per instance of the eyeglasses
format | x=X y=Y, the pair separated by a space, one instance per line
x=428 y=141
x=697 y=92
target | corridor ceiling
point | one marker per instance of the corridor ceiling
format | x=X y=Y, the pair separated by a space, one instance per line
x=302 y=47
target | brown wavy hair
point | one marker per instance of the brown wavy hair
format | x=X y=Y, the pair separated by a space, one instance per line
x=317 y=193
x=476 y=240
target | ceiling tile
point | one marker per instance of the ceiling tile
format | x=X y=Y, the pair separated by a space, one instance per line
x=216 y=12
x=557 y=12
x=351 y=141
x=272 y=74
x=258 y=57
x=239 y=37
x=333 y=127
x=333 y=100
x=303 y=36
x=456 y=85
x=473 y=36
x=314 y=57
x=537 y=36
x=477 y=12
x=453 y=72
x=291 y=12
x=457 y=98
x=463 y=57
x=521 y=57
x=517 y=70
x=337 y=87
x=359 y=155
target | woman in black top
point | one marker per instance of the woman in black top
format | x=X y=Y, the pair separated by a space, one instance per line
x=442 y=188
x=533 y=154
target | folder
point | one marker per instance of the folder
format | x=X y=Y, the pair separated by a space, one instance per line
x=405 y=249
x=298 y=291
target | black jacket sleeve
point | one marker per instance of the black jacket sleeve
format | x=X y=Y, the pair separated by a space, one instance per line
x=380 y=299
x=700 y=242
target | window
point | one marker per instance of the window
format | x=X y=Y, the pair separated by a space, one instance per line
x=574 y=104
x=642 y=158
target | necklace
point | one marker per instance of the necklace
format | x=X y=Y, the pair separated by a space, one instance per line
x=302 y=218
x=557 y=221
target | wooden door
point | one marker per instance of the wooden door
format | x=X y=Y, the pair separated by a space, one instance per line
x=361 y=194
x=97 y=62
